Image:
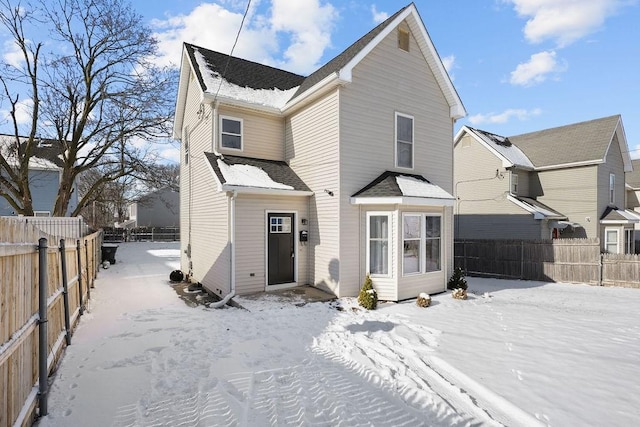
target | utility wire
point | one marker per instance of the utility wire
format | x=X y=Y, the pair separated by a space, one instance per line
x=224 y=73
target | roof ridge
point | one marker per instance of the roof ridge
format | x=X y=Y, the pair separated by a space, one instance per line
x=584 y=122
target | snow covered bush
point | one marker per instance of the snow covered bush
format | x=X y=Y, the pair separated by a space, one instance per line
x=459 y=293
x=424 y=300
x=368 y=297
x=457 y=280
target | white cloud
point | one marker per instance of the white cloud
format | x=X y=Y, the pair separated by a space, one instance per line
x=24 y=110
x=449 y=62
x=564 y=21
x=537 y=69
x=504 y=117
x=378 y=17
x=12 y=54
x=304 y=26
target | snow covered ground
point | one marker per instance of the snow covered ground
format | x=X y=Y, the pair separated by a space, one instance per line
x=516 y=353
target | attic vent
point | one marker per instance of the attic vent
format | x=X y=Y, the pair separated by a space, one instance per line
x=500 y=140
x=403 y=39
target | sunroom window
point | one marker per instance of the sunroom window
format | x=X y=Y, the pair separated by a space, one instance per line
x=421 y=243
x=378 y=234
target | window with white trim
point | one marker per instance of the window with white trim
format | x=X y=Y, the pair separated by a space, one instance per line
x=612 y=188
x=421 y=243
x=611 y=240
x=230 y=132
x=514 y=183
x=629 y=241
x=411 y=243
x=378 y=247
x=404 y=141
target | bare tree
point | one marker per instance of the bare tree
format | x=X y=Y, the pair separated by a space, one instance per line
x=96 y=93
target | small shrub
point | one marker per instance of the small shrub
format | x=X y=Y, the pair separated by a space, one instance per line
x=424 y=300
x=457 y=280
x=368 y=297
x=459 y=293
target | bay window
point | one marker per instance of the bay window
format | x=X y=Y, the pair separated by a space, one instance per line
x=422 y=243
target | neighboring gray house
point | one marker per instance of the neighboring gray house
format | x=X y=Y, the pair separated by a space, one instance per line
x=562 y=182
x=321 y=180
x=160 y=208
x=632 y=182
x=45 y=168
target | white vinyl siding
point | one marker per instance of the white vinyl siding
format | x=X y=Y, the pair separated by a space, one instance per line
x=367 y=140
x=251 y=238
x=313 y=155
x=262 y=134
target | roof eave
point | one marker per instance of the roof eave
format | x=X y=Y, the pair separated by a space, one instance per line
x=210 y=98
x=402 y=200
x=315 y=91
x=264 y=190
x=570 y=165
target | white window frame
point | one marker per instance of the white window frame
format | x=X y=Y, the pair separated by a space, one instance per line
x=221 y=133
x=612 y=189
x=423 y=242
x=420 y=240
x=514 y=183
x=413 y=139
x=608 y=242
x=389 y=243
x=629 y=241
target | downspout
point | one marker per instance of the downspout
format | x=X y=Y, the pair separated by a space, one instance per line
x=232 y=248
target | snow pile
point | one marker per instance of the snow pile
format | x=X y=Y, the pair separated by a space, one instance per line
x=531 y=354
x=413 y=187
x=275 y=97
x=248 y=176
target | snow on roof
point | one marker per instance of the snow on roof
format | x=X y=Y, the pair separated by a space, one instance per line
x=248 y=176
x=413 y=187
x=505 y=148
x=275 y=97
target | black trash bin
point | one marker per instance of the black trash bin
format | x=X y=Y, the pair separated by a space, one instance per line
x=109 y=253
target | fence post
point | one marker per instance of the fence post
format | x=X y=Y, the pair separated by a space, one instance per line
x=89 y=281
x=79 y=256
x=42 y=323
x=601 y=269
x=65 y=291
x=522 y=260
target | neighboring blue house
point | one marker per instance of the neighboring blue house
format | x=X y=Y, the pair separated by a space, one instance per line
x=45 y=167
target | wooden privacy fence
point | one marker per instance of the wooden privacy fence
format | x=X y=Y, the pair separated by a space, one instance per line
x=31 y=315
x=558 y=260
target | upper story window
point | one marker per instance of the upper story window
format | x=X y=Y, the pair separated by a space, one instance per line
x=612 y=188
x=404 y=141
x=230 y=133
x=514 y=183
x=403 y=39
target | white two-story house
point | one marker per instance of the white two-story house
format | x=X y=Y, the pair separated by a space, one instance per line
x=321 y=179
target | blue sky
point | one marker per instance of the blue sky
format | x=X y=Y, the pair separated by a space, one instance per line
x=518 y=65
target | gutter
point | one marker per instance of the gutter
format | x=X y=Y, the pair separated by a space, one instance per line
x=232 y=245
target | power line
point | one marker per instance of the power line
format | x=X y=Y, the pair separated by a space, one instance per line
x=224 y=73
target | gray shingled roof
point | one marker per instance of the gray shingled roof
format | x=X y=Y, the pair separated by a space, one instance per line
x=633 y=178
x=278 y=171
x=242 y=72
x=46 y=149
x=396 y=184
x=343 y=58
x=579 y=142
x=612 y=213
